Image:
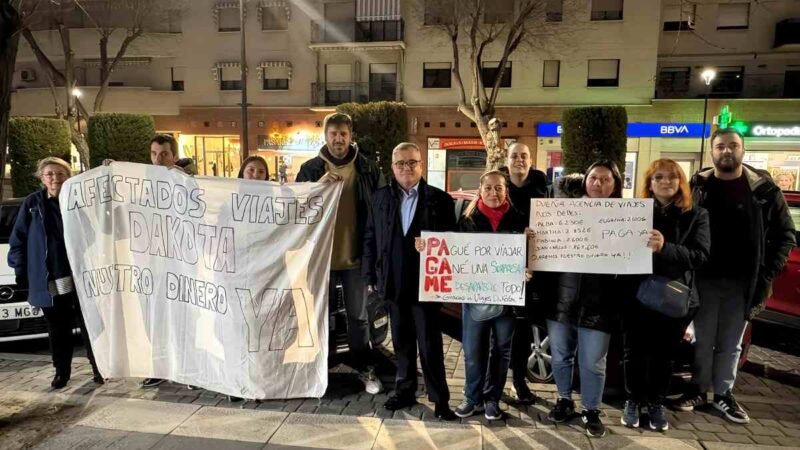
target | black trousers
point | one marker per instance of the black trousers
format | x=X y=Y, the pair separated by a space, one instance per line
x=650 y=341
x=61 y=319
x=415 y=324
x=521 y=350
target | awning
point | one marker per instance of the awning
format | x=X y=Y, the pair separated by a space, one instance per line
x=225 y=5
x=377 y=10
x=95 y=62
x=275 y=4
x=223 y=65
x=279 y=69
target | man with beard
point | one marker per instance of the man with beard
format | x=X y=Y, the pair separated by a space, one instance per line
x=751 y=236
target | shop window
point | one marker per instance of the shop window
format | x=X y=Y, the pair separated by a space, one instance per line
x=228 y=19
x=733 y=16
x=436 y=75
x=729 y=80
x=464 y=169
x=489 y=74
x=603 y=73
x=607 y=9
x=552 y=72
x=554 y=10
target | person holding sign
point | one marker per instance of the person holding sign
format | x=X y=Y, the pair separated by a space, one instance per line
x=681 y=244
x=583 y=313
x=340 y=161
x=254 y=168
x=487 y=325
x=390 y=265
x=525 y=183
x=751 y=236
x=39 y=257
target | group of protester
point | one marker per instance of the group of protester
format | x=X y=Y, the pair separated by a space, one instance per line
x=725 y=237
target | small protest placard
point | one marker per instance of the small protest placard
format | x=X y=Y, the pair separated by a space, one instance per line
x=592 y=235
x=480 y=268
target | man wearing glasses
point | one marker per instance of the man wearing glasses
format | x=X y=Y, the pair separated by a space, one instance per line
x=751 y=236
x=390 y=265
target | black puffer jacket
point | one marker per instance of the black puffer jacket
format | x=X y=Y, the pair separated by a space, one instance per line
x=687 y=244
x=773 y=233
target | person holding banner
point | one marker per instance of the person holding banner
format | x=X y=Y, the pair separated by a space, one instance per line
x=340 y=161
x=681 y=243
x=488 y=328
x=254 y=168
x=38 y=254
x=525 y=183
x=390 y=264
x=582 y=315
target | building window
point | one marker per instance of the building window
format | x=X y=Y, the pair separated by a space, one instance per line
x=274 y=18
x=729 y=80
x=177 y=78
x=228 y=19
x=501 y=11
x=439 y=12
x=673 y=80
x=679 y=18
x=552 y=69
x=607 y=9
x=489 y=74
x=276 y=84
x=436 y=75
x=554 y=10
x=230 y=79
x=603 y=73
x=733 y=16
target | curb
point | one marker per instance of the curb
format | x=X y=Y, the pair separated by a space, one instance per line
x=764 y=370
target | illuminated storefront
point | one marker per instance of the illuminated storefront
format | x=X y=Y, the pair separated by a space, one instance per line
x=457 y=163
x=214 y=155
x=775 y=147
x=289 y=150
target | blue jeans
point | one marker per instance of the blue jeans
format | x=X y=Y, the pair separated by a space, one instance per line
x=592 y=349
x=485 y=382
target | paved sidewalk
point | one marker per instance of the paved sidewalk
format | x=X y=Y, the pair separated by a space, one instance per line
x=774 y=364
x=172 y=416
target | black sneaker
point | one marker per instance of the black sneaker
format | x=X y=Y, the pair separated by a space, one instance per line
x=658 y=417
x=563 y=410
x=151 y=382
x=727 y=405
x=591 y=421
x=630 y=414
x=689 y=401
x=492 y=410
x=523 y=393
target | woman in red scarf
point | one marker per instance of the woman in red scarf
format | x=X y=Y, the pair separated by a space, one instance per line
x=491 y=212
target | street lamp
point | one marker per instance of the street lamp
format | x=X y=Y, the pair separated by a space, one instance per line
x=708 y=76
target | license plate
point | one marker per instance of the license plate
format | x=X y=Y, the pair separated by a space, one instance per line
x=381 y=322
x=16 y=311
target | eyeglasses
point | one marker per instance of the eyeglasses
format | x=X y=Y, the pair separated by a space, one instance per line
x=61 y=175
x=668 y=178
x=411 y=164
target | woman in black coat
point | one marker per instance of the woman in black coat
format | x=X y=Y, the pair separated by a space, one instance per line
x=681 y=243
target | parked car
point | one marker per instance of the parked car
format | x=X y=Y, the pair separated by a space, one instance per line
x=20 y=321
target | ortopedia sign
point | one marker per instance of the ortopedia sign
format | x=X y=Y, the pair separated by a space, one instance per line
x=777 y=131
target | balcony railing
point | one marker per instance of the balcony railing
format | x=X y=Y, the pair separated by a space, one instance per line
x=726 y=85
x=333 y=94
x=339 y=32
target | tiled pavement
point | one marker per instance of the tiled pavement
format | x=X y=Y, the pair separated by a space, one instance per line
x=172 y=416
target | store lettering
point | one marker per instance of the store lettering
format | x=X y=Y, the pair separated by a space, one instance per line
x=674 y=129
x=761 y=130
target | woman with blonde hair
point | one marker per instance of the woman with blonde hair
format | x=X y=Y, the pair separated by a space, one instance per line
x=681 y=244
x=39 y=258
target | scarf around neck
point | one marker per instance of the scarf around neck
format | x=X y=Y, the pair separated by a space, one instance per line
x=495 y=215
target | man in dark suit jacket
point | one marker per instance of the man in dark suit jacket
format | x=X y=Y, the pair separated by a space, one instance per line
x=400 y=211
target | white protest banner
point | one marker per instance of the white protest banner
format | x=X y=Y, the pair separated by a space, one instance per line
x=482 y=268
x=213 y=282
x=592 y=235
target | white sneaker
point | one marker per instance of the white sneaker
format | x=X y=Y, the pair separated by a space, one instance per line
x=371 y=382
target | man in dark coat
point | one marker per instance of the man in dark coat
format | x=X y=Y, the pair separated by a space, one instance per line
x=391 y=264
x=752 y=234
x=525 y=183
x=340 y=161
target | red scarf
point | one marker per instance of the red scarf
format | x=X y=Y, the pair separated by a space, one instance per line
x=494 y=214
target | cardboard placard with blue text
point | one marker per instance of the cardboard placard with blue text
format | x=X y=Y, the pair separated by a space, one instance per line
x=592 y=235
x=213 y=282
x=479 y=268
